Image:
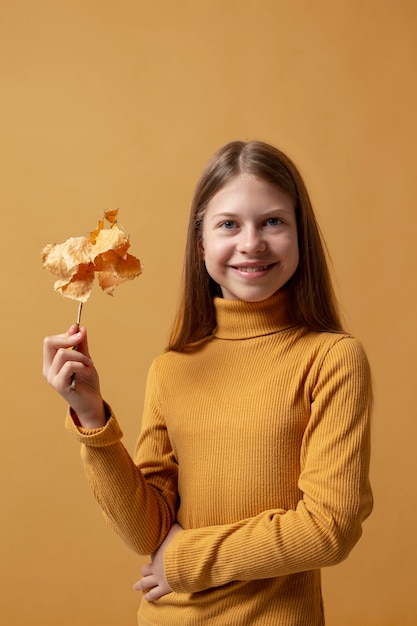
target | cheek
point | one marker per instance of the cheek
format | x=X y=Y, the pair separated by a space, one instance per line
x=296 y=253
x=292 y=253
x=213 y=250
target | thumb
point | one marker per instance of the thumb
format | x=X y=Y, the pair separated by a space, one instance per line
x=82 y=343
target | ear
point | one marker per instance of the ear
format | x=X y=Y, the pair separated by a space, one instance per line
x=201 y=250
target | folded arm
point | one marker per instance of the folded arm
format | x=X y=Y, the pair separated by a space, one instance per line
x=336 y=498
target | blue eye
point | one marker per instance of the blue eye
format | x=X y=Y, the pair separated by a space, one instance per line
x=228 y=224
x=273 y=221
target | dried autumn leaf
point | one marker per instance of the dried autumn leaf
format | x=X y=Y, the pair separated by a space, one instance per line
x=112 y=262
x=94 y=234
x=79 y=287
x=111 y=215
x=71 y=261
x=116 y=270
x=78 y=259
x=110 y=239
x=63 y=259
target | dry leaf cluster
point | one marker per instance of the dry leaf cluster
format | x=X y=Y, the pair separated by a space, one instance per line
x=77 y=260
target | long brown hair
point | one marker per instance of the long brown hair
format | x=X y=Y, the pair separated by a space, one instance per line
x=312 y=300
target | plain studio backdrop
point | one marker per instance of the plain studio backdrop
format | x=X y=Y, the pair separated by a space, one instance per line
x=119 y=104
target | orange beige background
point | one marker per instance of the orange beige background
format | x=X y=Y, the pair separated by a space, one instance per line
x=109 y=104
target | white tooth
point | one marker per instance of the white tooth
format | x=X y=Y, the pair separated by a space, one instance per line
x=253 y=269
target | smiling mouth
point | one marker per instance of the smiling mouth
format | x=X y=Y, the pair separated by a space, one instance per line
x=251 y=270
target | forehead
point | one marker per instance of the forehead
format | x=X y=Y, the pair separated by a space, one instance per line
x=246 y=192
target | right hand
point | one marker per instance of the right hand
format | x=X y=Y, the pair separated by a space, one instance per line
x=60 y=363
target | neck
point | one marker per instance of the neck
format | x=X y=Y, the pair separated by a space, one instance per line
x=237 y=319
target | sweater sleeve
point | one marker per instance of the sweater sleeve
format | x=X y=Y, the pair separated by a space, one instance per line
x=336 y=496
x=138 y=500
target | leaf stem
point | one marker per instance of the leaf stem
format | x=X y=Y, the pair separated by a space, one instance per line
x=80 y=308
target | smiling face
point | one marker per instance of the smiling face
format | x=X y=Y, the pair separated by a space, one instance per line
x=249 y=239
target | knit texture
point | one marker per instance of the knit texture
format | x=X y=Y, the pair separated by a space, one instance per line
x=257 y=443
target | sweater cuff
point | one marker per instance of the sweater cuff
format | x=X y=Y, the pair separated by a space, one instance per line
x=175 y=565
x=107 y=435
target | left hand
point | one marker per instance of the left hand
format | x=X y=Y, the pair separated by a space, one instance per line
x=153 y=573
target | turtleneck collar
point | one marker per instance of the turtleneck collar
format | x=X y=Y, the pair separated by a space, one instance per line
x=237 y=319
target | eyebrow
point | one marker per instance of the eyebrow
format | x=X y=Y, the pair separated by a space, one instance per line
x=263 y=213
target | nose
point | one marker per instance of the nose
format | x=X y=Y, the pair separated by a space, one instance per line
x=251 y=241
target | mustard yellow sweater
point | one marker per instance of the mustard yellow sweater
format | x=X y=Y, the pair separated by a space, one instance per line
x=257 y=443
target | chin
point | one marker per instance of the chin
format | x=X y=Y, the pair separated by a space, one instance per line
x=257 y=297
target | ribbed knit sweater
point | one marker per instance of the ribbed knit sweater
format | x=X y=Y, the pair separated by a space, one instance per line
x=257 y=443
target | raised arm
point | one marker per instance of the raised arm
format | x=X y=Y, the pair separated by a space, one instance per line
x=140 y=508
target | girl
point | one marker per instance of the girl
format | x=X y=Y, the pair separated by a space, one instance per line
x=251 y=469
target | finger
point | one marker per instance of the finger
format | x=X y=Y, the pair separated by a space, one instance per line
x=63 y=381
x=64 y=365
x=72 y=330
x=154 y=594
x=54 y=343
x=75 y=336
x=147 y=582
x=64 y=355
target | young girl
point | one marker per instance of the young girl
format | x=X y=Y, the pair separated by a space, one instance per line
x=251 y=470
